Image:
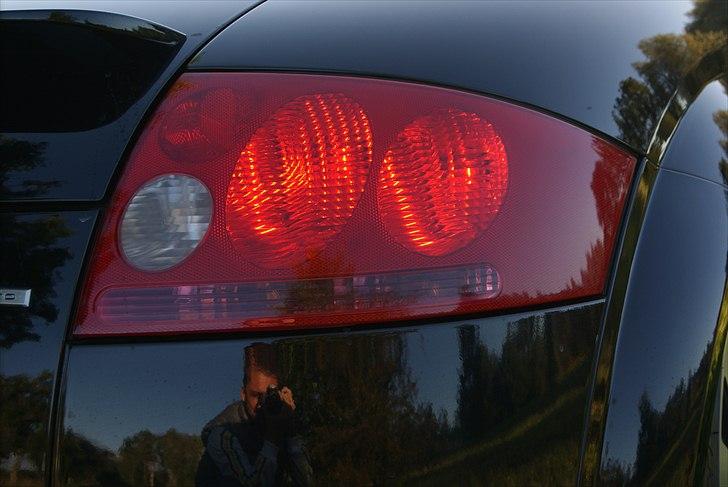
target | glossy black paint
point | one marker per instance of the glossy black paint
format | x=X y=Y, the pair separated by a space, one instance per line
x=696 y=147
x=474 y=401
x=567 y=57
x=126 y=62
x=594 y=63
x=73 y=69
x=667 y=334
x=696 y=462
x=43 y=252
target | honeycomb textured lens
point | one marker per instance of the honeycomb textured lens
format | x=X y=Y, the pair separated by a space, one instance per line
x=442 y=181
x=299 y=179
x=165 y=221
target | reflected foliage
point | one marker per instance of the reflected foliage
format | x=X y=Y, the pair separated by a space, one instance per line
x=516 y=417
x=358 y=402
x=160 y=460
x=721 y=120
x=365 y=423
x=30 y=256
x=668 y=58
x=610 y=183
x=520 y=403
x=21 y=156
x=144 y=460
x=85 y=463
x=23 y=414
x=665 y=445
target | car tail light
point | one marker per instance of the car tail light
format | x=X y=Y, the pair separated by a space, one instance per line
x=282 y=201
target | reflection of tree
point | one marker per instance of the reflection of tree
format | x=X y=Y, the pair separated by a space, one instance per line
x=610 y=183
x=84 y=463
x=669 y=58
x=665 y=443
x=721 y=120
x=357 y=401
x=664 y=452
x=144 y=460
x=21 y=155
x=519 y=405
x=23 y=415
x=30 y=256
x=527 y=369
x=170 y=459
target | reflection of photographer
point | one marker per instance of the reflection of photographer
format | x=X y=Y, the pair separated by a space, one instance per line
x=255 y=441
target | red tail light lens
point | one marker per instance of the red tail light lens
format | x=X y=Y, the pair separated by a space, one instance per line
x=442 y=181
x=280 y=201
x=298 y=180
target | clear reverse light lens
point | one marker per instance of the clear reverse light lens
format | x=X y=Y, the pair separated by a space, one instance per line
x=278 y=303
x=165 y=221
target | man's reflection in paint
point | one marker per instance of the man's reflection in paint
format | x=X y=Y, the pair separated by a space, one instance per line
x=255 y=441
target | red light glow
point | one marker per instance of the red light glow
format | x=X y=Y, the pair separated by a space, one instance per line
x=337 y=201
x=299 y=179
x=442 y=181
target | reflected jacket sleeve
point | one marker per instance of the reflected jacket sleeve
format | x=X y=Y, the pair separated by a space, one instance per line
x=228 y=455
x=300 y=467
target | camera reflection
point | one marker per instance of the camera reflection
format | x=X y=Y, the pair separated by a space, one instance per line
x=256 y=440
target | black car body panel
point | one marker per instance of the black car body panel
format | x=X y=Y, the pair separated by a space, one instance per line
x=668 y=357
x=44 y=252
x=618 y=389
x=662 y=366
x=570 y=58
x=99 y=73
x=698 y=147
x=121 y=63
x=380 y=406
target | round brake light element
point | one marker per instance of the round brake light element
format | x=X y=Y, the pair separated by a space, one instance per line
x=442 y=181
x=299 y=179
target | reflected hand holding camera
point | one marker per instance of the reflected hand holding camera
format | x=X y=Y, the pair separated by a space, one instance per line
x=276 y=415
x=256 y=441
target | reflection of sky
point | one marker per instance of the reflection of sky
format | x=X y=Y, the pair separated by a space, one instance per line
x=434 y=360
x=150 y=386
x=117 y=391
x=664 y=344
